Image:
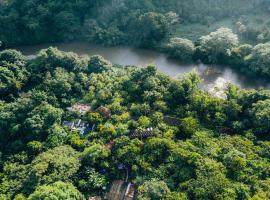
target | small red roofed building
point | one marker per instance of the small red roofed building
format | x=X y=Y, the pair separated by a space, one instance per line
x=109 y=145
x=104 y=112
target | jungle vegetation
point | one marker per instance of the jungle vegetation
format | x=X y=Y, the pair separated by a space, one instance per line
x=216 y=149
x=219 y=149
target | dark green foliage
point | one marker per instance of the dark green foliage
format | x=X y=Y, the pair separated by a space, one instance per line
x=95 y=155
x=258 y=61
x=13 y=73
x=50 y=59
x=98 y=64
x=111 y=22
x=261 y=115
x=58 y=164
x=151 y=28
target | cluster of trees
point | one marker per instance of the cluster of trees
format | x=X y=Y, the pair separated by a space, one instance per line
x=109 y=22
x=143 y=29
x=247 y=31
x=219 y=149
x=222 y=46
x=13 y=73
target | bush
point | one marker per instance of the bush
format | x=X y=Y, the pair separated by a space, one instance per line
x=58 y=190
x=98 y=64
x=180 y=48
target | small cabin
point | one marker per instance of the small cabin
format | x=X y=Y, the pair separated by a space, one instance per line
x=226 y=130
x=172 y=121
x=24 y=95
x=142 y=134
x=121 y=190
x=95 y=198
x=82 y=109
x=78 y=125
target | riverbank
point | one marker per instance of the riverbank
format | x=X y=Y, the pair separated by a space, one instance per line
x=142 y=57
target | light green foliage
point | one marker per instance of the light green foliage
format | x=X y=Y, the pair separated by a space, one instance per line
x=238 y=56
x=175 y=196
x=107 y=131
x=75 y=140
x=59 y=82
x=153 y=189
x=34 y=146
x=12 y=57
x=181 y=91
x=158 y=149
x=144 y=122
x=140 y=109
x=108 y=83
x=128 y=151
x=94 y=117
x=58 y=190
x=211 y=182
x=182 y=49
x=218 y=43
x=20 y=197
x=95 y=155
x=189 y=126
x=56 y=136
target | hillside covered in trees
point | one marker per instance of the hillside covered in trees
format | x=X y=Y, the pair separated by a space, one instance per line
x=114 y=22
x=80 y=127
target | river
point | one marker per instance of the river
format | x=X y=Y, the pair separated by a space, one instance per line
x=211 y=74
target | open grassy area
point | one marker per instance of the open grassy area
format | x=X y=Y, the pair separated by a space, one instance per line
x=196 y=30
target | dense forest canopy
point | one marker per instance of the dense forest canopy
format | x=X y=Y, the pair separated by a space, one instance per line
x=107 y=21
x=80 y=127
x=171 y=139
